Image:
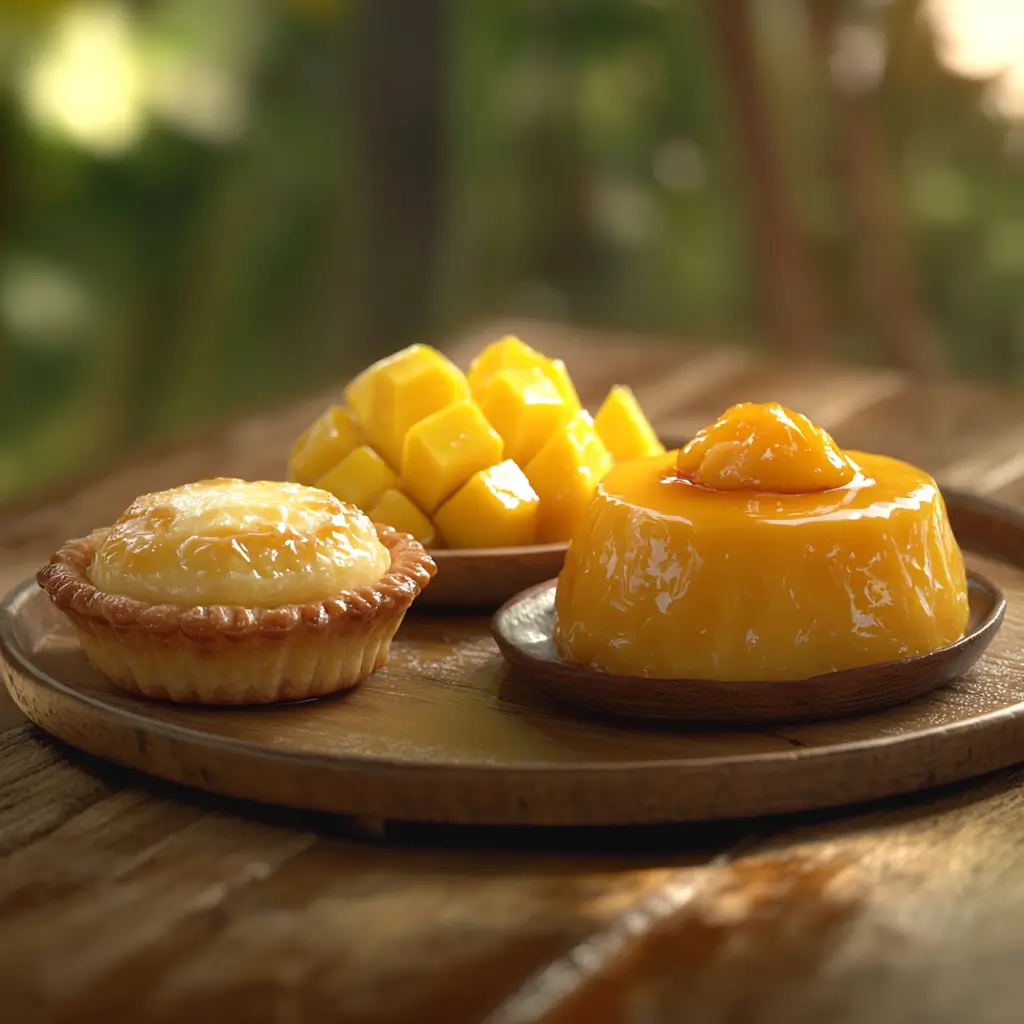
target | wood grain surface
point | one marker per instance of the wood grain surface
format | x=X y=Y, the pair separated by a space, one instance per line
x=124 y=899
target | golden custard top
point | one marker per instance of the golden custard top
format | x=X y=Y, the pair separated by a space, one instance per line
x=233 y=542
x=753 y=447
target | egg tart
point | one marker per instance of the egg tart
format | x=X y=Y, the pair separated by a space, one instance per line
x=233 y=592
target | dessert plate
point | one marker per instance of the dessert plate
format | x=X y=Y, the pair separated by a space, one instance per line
x=524 y=631
x=485 y=578
x=447 y=731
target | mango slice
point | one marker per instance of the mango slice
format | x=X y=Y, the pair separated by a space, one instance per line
x=394 y=509
x=511 y=353
x=525 y=408
x=332 y=436
x=496 y=508
x=395 y=393
x=753 y=447
x=360 y=478
x=623 y=427
x=443 y=450
x=565 y=473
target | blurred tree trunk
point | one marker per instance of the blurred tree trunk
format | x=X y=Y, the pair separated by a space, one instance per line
x=885 y=261
x=7 y=202
x=400 y=61
x=792 y=296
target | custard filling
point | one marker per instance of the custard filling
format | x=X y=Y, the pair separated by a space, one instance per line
x=232 y=542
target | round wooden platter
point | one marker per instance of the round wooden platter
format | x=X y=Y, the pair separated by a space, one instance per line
x=449 y=732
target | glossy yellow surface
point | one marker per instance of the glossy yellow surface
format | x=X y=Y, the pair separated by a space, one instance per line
x=565 y=474
x=525 y=408
x=559 y=374
x=444 y=450
x=496 y=508
x=511 y=353
x=233 y=542
x=332 y=436
x=753 y=447
x=395 y=510
x=395 y=393
x=668 y=578
x=360 y=478
x=414 y=426
x=623 y=427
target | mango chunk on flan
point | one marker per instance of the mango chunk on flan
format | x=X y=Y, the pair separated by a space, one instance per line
x=392 y=395
x=495 y=508
x=332 y=436
x=525 y=408
x=396 y=510
x=360 y=479
x=444 y=450
x=565 y=474
x=754 y=447
x=761 y=551
x=623 y=427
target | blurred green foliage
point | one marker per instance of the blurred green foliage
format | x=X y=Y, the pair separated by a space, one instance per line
x=194 y=212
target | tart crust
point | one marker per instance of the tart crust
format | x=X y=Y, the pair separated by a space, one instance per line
x=233 y=655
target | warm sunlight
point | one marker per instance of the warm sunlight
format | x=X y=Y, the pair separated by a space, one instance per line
x=85 y=83
x=984 y=39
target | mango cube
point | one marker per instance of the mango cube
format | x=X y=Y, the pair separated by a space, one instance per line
x=443 y=450
x=360 y=478
x=394 y=509
x=512 y=354
x=324 y=444
x=525 y=408
x=559 y=375
x=495 y=508
x=399 y=391
x=507 y=354
x=565 y=473
x=623 y=427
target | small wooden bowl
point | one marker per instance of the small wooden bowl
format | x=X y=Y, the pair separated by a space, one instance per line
x=524 y=631
x=482 y=579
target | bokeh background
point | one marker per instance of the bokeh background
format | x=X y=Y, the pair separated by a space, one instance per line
x=211 y=206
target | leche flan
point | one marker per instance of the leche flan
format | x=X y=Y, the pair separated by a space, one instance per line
x=234 y=592
x=760 y=551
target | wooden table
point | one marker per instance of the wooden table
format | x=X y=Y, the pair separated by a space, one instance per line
x=123 y=899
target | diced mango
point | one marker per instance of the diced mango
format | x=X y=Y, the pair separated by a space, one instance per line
x=559 y=375
x=495 y=508
x=623 y=427
x=525 y=408
x=512 y=354
x=444 y=450
x=509 y=353
x=324 y=444
x=399 y=391
x=565 y=474
x=395 y=510
x=360 y=478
